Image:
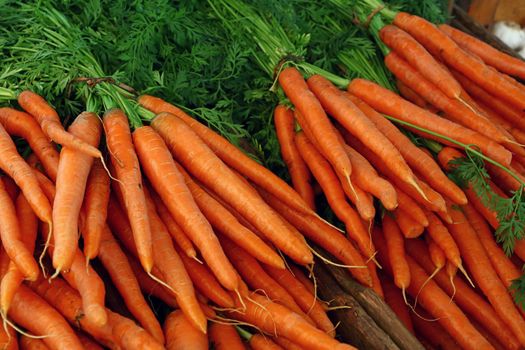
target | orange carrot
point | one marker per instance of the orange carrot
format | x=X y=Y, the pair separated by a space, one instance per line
x=394 y=299
x=326 y=236
x=414 y=156
x=287 y=344
x=187 y=147
x=409 y=207
x=95 y=207
x=410 y=95
x=328 y=180
x=396 y=252
x=181 y=335
x=385 y=101
x=232 y=156
x=433 y=331
x=484 y=274
x=436 y=253
x=22 y=124
x=72 y=175
x=225 y=337
x=27 y=343
x=127 y=170
x=8 y=339
x=130 y=336
x=88 y=343
x=50 y=123
x=301 y=277
x=299 y=173
x=158 y=165
x=409 y=227
x=226 y=223
x=261 y=342
x=441 y=237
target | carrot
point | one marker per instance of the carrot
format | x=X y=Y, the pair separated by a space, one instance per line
x=306 y=301
x=435 y=40
x=365 y=176
x=404 y=44
x=376 y=283
x=484 y=274
x=130 y=336
x=328 y=180
x=436 y=302
x=442 y=238
x=287 y=344
x=169 y=263
x=50 y=123
x=415 y=157
x=72 y=175
x=187 y=147
x=27 y=343
x=466 y=298
x=175 y=231
x=14 y=277
x=410 y=95
x=181 y=335
x=16 y=168
x=33 y=313
x=158 y=165
x=455 y=110
x=8 y=339
x=95 y=207
x=23 y=125
x=385 y=101
x=506 y=111
x=225 y=337
x=301 y=277
x=226 y=223
x=206 y=282
x=394 y=299
x=353 y=119
x=12 y=240
x=88 y=343
x=491 y=56
x=118 y=267
x=433 y=331
x=261 y=342
x=231 y=155
x=437 y=255
x=326 y=236
x=409 y=227
x=127 y=170
x=409 y=207
x=396 y=252
x=299 y=173
x=504 y=267
x=11 y=187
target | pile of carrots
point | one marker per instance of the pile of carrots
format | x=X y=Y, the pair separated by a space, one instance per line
x=175 y=211
x=460 y=93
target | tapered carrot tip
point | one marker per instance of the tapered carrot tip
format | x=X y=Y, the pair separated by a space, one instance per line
x=97 y=314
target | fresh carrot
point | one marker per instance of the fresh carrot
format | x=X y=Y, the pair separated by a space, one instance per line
x=409 y=227
x=454 y=110
x=491 y=56
x=12 y=240
x=30 y=311
x=118 y=267
x=333 y=191
x=95 y=207
x=275 y=319
x=326 y=236
x=306 y=301
x=396 y=252
x=299 y=173
x=22 y=124
x=14 y=277
x=437 y=255
x=129 y=336
x=16 y=168
x=404 y=44
x=484 y=274
x=410 y=95
x=261 y=342
x=10 y=186
x=175 y=231
x=353 y=119
x=226 y=223
x=27 y=343
x=376 y=283
x=225 y=337
x=127 y=170
x=437 y=41
x=464 y=296
x=50 y=123
x=181 y=335
x=433 y=331
x=287 y=344
x=385 y=101
x=8 y=339
x=72 y=176
x=415 y=157
x=88 y=343
x=395 y=300
x=159 y=166
x=187 y=147
x=232 y=156
x=408 y=206
x=437 y=303
x=301 y=277
x=441 y=237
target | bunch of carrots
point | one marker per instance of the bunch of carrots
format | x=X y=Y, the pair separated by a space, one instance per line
x=461 y=94
x=177 y=212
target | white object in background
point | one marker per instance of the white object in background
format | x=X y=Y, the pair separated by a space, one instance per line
x=522 y=52
x=510 y=33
